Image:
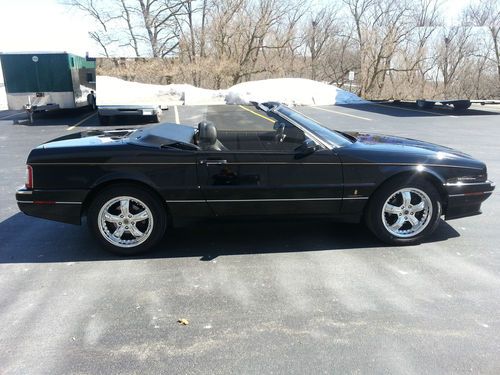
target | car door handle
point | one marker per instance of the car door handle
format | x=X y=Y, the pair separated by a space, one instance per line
x=213 y=162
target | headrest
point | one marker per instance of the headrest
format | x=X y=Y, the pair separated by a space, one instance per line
x=207 y=134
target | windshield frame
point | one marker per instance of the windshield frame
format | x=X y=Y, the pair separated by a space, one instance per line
x=312 y=128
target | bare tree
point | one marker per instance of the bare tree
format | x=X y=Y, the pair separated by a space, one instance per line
x=454 y=49
x=148 y=27
x=486 y=14
x=323 y=27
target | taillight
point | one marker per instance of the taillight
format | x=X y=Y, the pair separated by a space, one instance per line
x=29 y=177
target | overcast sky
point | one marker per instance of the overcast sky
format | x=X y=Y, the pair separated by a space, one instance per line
x=47 y=25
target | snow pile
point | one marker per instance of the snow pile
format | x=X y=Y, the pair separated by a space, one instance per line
x=115 y=91
x=3 y=98
x=291 y=91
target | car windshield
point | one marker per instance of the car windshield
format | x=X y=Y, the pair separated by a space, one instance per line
x=331 y=136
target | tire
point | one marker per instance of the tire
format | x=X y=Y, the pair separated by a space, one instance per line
x=91 y=102
x=156 y=118
x=389 y=208
x=104 y=120
x=107 y=215
x=31 y=117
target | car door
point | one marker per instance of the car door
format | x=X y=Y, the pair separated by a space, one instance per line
x=233 y=182
x=270 y=177
x=306 y=181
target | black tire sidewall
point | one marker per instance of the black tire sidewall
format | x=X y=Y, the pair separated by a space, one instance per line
x=157 y=209
x=374 y=212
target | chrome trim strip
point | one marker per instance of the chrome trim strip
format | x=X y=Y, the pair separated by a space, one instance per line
x=57 y=202
x=416 y=164
x=279 y=163
x=24 y=192
x=458 y=184
x=187 y=201
x=151 y=163
x=471 y=194
x=265 y=200
x=271 y=163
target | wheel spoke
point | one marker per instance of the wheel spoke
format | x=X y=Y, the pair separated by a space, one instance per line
x=119 y=231
x=124 y=204
x=125 y=221
x=112 y=218
x=134 y=231
x=406 y=198
x=419 y=207
x=399 y=223
x=413 y=220
x=143 y=215
x=391 y=209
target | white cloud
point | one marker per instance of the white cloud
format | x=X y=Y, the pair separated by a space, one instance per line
x=43 y=25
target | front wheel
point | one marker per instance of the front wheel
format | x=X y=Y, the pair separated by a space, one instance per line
x=404 y=212
x=127 y=219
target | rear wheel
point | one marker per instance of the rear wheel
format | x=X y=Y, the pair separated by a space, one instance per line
x=127 y=219
x=404 y=212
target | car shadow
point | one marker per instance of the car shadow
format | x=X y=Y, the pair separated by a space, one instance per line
x=30 y=240
x=61 y=117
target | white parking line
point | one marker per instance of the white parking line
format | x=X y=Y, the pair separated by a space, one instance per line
x=82 y=121
x=11 y=115
x=342 y=113
x=176 y=114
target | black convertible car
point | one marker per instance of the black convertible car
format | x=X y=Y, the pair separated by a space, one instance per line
x=131 y=184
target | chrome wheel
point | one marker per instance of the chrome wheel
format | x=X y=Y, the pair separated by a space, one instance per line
x=407 y=212
x=125 y=221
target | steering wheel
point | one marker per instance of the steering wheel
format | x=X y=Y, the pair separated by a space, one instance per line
x=280 y=133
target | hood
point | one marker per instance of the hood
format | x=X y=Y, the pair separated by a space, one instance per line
x=389 y=143
x=88 y=138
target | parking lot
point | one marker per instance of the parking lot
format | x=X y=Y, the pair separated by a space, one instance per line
x=288 y=296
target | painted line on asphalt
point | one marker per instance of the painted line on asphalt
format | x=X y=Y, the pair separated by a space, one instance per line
x=342 y=113
x=82 y=121
x=257 y=114
x=414 y=110
x=176 y=114
x=11 y=115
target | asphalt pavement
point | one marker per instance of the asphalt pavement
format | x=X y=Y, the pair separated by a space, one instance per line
x=283 y=297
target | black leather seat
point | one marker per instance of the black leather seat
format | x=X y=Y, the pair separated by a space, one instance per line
x=207 y=137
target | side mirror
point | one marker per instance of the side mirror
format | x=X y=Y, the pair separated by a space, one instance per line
x=278 y=125
x=306 y=148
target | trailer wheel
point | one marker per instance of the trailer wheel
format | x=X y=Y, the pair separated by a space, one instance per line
x=157 y=118
x=91 y=102
x=31 y=118
x=104 y=120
